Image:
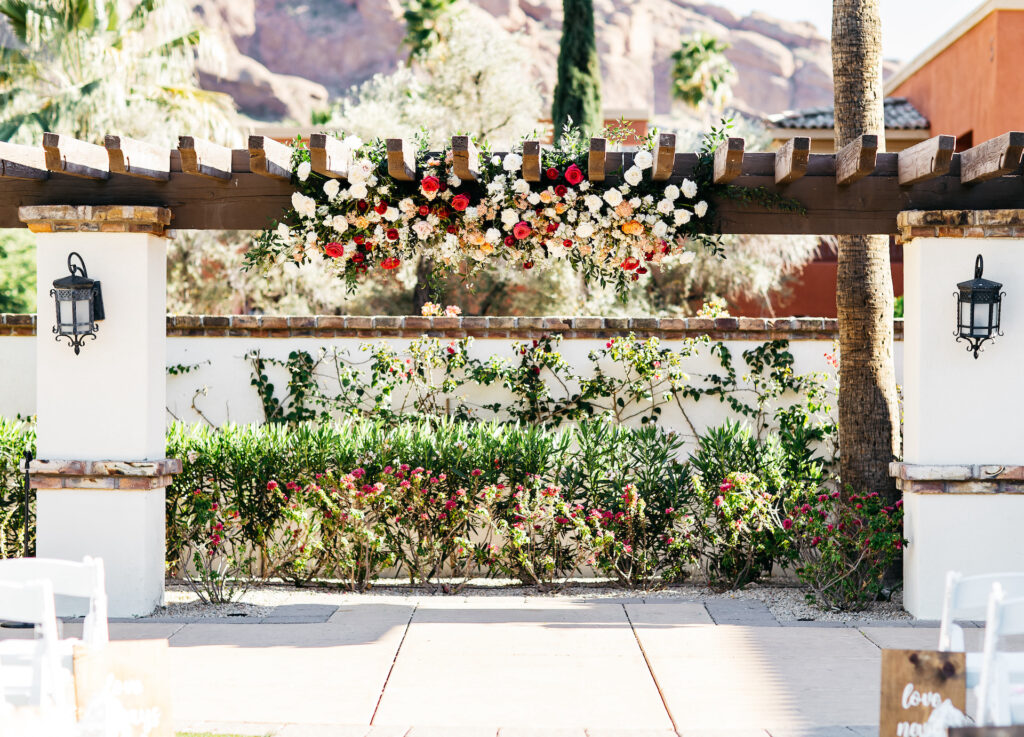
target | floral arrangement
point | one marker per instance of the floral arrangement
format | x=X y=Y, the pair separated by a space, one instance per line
x=611 y=231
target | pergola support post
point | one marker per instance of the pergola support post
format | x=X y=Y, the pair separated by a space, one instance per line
x=962 y=474
x=101 y=445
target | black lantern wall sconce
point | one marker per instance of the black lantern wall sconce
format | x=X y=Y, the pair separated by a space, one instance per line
x=79 y=304
x=978 y=308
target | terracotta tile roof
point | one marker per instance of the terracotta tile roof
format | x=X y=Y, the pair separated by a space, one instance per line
x=899 y=115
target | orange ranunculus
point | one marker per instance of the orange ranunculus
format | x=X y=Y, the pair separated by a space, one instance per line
x=632 y=228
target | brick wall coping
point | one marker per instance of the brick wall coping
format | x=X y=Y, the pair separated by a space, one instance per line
x=958 y=479
x=95 y=218
x=341 y=326
x=125 y=475
x=960 y=224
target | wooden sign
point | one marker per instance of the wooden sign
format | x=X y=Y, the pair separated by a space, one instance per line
x=914 y=682
x=125 y=686
x=1015 y=731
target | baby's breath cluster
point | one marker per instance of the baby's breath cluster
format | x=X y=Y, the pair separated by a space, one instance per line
x=611 y=231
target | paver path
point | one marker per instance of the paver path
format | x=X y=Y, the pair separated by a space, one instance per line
x=499 y=666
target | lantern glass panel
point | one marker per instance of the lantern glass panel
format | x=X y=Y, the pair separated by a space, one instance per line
x=980 y=324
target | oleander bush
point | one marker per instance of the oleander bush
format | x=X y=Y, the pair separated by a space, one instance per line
x=16 y=436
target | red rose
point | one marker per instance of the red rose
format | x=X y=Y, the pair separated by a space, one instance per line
x=529 y=265
x=567 y=243
x=368 y=246
x=362 y=205
x=360 y=240
x=334 y=250
x=430 y=184
x=442 y=212
x=460 y=202
x=521 y=230
x=560 y=190
x=552 y=173
x=390 y=263
x=424 y=211
x=552 y=227
x=642 y=270
x=358 y=258
x=630 y=263
x=381 y=208
x=573 y=175
x=509 y=240
x=453 y=229
x=392 y=234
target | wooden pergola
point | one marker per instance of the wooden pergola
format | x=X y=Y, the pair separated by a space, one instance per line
x=207 y=186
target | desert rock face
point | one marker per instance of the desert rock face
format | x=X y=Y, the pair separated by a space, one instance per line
x=286 y=59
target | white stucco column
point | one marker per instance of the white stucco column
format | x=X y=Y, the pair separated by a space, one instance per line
x=962 y=474
x=101 y=471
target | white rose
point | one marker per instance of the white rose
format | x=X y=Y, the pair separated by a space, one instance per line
x=687 y=257
x=593 y=202
x=305 y=206
x=493 y=234
x=689 y=188
x=357 y=190
x=495 y=160
x=664 y=207
x=283 y=231
x=584 y=230
x=643 y=159
x=633 y=176
x=331 y=188
x=392 y=214
x=634 y=203
x=584 y=186
x=512 y=162
x=682 y=217
x=303 y=171
x=533 y=199
x=521 y=186
x=613 y=197
x=701 y=208
x=453 y=180
x=509 y=217
x=672 y=193
x=310 y=237
x=660 y=230
x=352 y=142
x=339 y=223
x=422 y=229
x=407 y=205
x=470 y=213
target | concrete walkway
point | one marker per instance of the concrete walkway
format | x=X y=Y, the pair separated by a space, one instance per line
x=526 y=667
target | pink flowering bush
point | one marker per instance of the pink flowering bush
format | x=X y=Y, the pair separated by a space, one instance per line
x=218 y=561
x=845 y=546
x=735 y=530
x=542 y=537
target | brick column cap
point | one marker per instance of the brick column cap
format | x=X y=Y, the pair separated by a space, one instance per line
x=124 y=475
x=1007 y=223
x=96 y=218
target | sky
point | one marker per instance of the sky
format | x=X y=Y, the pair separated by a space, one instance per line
x=908 y=26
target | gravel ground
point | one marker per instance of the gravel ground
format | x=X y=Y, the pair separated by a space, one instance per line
x=785 y=601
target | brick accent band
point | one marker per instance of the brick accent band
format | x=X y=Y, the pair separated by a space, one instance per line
x=960 y=224
x=95 y=219
x=123 y=475
x=341 y=326
x=958 y=479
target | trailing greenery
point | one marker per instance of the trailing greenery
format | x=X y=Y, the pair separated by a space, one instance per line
x=577 y=99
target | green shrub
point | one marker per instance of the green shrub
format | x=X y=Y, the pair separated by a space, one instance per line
x=16 y=436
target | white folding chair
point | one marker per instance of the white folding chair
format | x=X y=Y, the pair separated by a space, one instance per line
x=30 y=672
x=967 y=598
x=1000 y=691
x=69 y=578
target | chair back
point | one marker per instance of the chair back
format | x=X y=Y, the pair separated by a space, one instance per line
x=30 y=669
x=69 y=578
x=1005 y=618
x=967 y=597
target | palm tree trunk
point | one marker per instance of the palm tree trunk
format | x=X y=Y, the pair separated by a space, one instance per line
x=869 y=430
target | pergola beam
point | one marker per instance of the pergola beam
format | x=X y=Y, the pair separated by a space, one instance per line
x=729 y=160
x=927 y=159
x=270 y=158
x=137 y=158
x=531 y=161
x=401 y=159
x=329 y=156
x=596 y=159
x=791 y=159
x=204 y=158
x=664 y=157
x=465 y=158
x=856 y=159
x=993 y=158
x=78 y=158
x=22 y=162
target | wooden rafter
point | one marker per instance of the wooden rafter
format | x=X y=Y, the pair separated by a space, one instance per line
x=729 y=160
x=211 y=187
x=329 y=156
x=531 y=161
x=270 y=158
x=465 y=158
x=401 y=159
x=138 y=159
x=78 y=158
x=664 y=157
x=791 y=159
x=596 y=159
x=927 y=159
x=856 y=159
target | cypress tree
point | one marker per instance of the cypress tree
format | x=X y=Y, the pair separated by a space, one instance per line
x=578 y=92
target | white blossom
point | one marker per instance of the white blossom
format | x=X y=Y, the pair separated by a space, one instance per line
x=352 y=143
x=492 y=235
x=533 y=199
x=687 y=257
x=422 y=229
x=283 y=231
x=643 y=159
x=470 y=213
x=682 y=217
x=512 y=162
x=357 y=190
x=585 y=230
x=303 y=171
x=521 y=186
x=613 y=197
x=453 y=180
x=701 y=208
x=634 y=203
x=331 y=188
x=660 y=229
x=509 y=217
x=305 y=206
x=407 y=205
x=664 y=207
x=392 y=214
x=593 y=202
x=584 y=186
x=689 y=188
x=672 y=193
x=633 y=176
x=358 y=171
x=495 y=160
x=310 y=237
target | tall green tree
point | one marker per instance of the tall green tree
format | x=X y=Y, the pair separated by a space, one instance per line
x=423 y=24
x=578 y=91
x=701 y=73
x=869 y=421
x=91 y=67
